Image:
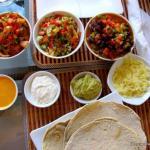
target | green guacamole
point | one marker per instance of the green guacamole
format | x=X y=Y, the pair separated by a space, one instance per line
x=86 y=87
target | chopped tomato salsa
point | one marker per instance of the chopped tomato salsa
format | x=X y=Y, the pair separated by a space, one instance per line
x=14 y=34
x=58 y=35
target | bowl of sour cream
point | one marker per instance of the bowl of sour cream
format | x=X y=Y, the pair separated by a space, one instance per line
x=42 y=89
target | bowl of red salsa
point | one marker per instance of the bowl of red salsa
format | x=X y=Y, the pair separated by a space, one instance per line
x=15 y=34
x=109 y=36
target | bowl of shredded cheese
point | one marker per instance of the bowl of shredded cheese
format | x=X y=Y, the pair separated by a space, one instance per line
x=130 y=77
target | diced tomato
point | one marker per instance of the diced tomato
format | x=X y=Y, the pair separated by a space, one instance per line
x=45 y=39
x=65 y=24
x=17 y=31
x=120 y=37
x=46 y=19
x=63 y=31
x=108 y=16
x=10 y=21
x=41 y=33
x=45 y=25
x=10 y=37
x=106 y=51
x=13 y=15
x=111 y=23
x=51 y=42
x=15 y=26
x=10 y=28
x=53 y=21
x=74 y=41
x=104 y=21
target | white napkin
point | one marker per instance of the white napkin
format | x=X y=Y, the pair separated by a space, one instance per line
x=81 y=8
x=139 y=21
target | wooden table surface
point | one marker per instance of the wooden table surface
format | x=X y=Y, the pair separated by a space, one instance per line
x=66 y=69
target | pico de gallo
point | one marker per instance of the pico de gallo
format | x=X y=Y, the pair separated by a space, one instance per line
x=109 y=36
x=58 y=35
x=14 y=34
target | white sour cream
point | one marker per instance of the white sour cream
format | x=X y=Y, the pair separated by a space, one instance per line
x=43 y=89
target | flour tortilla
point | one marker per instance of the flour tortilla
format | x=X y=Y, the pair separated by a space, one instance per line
x=97 y=110
x=54 y=137
x=104 y=134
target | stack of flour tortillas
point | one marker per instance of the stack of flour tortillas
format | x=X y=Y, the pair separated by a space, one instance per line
x=98 y=126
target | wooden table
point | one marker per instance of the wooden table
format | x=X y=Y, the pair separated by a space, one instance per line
x=65 y=70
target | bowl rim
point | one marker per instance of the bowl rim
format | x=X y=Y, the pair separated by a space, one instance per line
x=78 y=21
x=115 y=14
x=7 y=58
x=16 y=95
x=131 y=100
x=29 y=82
x=82 y=101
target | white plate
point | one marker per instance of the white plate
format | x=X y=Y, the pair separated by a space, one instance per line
x=81 y=8
x=133 y=101
x=37 y=135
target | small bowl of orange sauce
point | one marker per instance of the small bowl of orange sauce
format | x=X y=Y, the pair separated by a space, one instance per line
x=8 y=92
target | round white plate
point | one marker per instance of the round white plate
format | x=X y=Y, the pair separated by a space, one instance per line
x=132 y=100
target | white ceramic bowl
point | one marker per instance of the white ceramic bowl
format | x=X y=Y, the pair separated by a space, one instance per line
x=83 y=101
x=6 y=58
x=119 y=16
x=133 y=101
x=27 y=88
x=15 y=98
x=36 y=29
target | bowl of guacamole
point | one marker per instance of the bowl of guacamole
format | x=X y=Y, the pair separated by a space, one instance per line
x=86 y=87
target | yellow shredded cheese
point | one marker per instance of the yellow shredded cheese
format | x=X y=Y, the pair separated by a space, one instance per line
x=132 y=78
